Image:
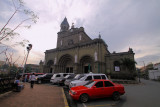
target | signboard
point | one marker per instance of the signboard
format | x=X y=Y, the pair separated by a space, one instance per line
x=117 y=68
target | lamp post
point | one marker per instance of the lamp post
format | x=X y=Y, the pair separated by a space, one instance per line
x=29 y=47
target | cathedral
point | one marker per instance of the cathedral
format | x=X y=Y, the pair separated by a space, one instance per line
x=76 y=52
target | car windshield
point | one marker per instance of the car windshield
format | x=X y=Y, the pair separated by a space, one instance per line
x=66 y=76
x=76 y=77
x=82 y=78
x=89 y=84
x=43 y=75
x=54 y=75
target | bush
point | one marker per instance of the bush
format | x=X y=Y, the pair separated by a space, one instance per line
x=6 y=83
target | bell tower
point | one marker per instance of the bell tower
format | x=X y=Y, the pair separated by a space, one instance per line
x=64 y=25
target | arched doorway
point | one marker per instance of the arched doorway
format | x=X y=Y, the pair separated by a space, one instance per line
x=66 y=64
x=86 y=64
x=49 y=64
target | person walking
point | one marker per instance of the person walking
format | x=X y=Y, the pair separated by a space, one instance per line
x=25 y=78
x=32 y=79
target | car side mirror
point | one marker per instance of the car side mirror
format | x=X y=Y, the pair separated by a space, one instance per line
x=94 y=87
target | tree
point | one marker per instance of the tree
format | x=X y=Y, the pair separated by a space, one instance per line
x=5 y=66
x=149 y=66
x=128 y=64
x=7 y=33
x=13 y=69
x=28 y=69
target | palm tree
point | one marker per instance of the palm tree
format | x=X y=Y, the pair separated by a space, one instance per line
x=128 y=64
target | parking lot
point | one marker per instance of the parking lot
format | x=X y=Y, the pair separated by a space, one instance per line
x=145 y=94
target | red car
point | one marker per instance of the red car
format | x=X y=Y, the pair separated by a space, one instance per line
x=97 y=89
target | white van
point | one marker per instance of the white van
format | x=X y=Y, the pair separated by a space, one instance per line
x=87 y=78
x=56 y=77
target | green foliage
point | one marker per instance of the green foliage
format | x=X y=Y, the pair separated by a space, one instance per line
x=5 y=66
x=13 y=69
x=28 y=69
x=149 y=66
x=128 y=63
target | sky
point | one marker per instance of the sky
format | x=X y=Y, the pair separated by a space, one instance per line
x=121 y=23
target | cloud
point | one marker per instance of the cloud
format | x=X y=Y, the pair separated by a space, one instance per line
x=122 y=24
x=35 y=57
x=147 y=59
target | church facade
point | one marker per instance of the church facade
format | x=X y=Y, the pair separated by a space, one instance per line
x=76 y=52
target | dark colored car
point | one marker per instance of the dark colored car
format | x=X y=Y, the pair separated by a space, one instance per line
x=62 y=80
x=44 y=78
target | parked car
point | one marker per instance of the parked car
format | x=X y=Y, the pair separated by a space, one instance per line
x=56 y=77
x=87 y=78
x=68 y=80
x=44 y=78
x=62 y=80
x=97 y=89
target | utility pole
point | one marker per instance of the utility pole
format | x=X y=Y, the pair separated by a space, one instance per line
x=29 y=47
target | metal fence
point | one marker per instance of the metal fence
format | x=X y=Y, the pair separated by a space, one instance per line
x=6 y=83
x=123 y=76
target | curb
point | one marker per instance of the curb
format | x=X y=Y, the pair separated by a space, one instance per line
x=65 y=99
x=5 y=94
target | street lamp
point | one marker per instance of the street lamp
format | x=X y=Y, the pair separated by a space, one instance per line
x=29 y=47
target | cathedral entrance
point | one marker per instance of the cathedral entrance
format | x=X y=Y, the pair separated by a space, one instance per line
x=50 y=70
x=69 y=69
x=87 y=69
x=50 y=64
x=86 y=63
x=66 y=64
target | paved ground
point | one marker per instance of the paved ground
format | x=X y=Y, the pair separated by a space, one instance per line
x=145 y=94
x=40 y=96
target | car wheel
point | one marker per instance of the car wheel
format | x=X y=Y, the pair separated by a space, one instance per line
x=116 y=96
x=39 y=81
x=84 y=98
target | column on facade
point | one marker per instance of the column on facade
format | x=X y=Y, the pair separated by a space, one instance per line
x=75 y=68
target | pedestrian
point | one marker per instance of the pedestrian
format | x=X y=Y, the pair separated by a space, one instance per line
x=25 y=78
x=32 y=79
x=18 y=86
